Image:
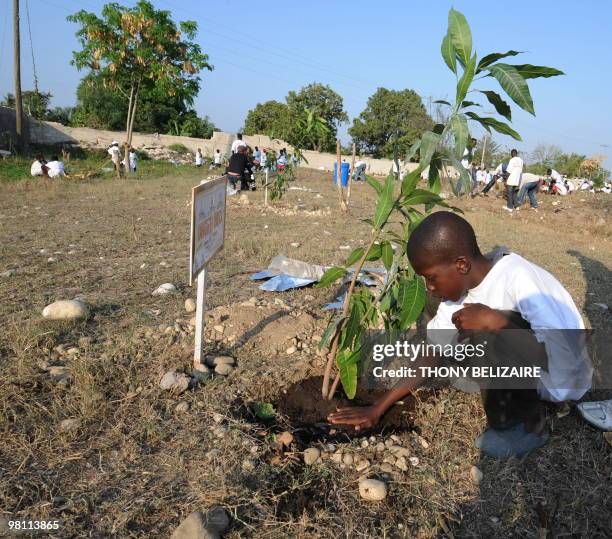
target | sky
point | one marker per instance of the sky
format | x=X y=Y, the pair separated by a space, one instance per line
x=262 y=50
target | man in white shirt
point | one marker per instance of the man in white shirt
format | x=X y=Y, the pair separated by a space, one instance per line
x=529 y=315
x=237 y=143
x=515 y=169
x=55 y=168
x=115 y=155
x=39 y=167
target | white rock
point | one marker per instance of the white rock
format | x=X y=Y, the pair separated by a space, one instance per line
x=194 y=527
x=476 y=475
x=51 y=260
x=364 y=443
x=143 y=265
x=166 y=288
x=347 y=459
x=68 y=425
x=337 y=457
x=311 y=455
x=345 y=247
x=223 y=369
x=402 y=464
x=414 y=461
x=295 y=245
x=190 y=305
x=174 y=381
x=372 y=490
x=291 y=350
x=362 y=465
x=181 y=407
x=70 y=309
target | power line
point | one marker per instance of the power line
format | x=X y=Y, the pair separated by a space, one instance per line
x=31 y=47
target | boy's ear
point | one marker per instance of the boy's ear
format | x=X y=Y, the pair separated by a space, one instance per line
x=463 y=265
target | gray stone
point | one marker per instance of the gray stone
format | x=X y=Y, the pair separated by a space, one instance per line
x=165 y=288
x=372 y=490
x=347 y=459
x=311 y=455
x=217 y=519
x=70 y=309
x=174 y=381
x=213 y=361
x=194 y=527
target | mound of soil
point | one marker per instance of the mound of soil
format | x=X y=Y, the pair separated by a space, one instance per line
x=303 y=405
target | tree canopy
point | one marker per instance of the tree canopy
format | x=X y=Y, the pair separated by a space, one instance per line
x=391 y=122
x=271 y=118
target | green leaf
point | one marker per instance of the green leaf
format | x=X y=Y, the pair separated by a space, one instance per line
x=490 y=58
x=450 y=57
x=385 y=203
x=330 y=276
x=264 y=410
x=330 y=330
x=353 y=330
x=500 y=105
x=420 y=196
x=374 y=253
x=410 y=180
x=411 y=300
x=466 y=104
x=442 y=102
x=459 y=127
x=354 y=256
x=464 y=175
x=374 y=184
x=500 y=127
x=347 y=365
x=514 y=85
x=460 y=34
x=434 y=174
x=385 y=303
x=529 y=71
x=429 y=143
x=466 y=79
x=413 y=150
x=387 y=255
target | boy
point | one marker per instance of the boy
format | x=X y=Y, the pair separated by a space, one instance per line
x=199 y=158
x=39 y=167
x=515 y=170
x=55 y=168
x=218 y=161
x=115 y=155
x=491 y=294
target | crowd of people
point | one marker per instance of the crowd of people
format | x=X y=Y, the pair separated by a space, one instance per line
x=49 y=169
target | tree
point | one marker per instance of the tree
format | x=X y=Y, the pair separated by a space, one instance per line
x=390 y=124
x=494 y=153
x=62 y=115
x=400 y=301
x=135 y=49
x=324 y=102
x=36 y=104
x=546 y=155
x=271 y=118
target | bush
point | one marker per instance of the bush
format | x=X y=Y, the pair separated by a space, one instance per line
x=179 y=148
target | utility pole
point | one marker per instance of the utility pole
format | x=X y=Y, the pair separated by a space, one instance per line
x=484 y=149
x=20 y=125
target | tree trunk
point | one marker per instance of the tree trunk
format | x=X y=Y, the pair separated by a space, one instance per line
x=128 y=123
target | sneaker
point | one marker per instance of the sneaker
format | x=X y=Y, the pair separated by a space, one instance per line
x=598 y=414
x=507 y=208
x=534 y=209
x=514 y=442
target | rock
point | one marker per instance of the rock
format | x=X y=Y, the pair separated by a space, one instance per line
x=70 y=309
x=284 y=439
x=387 y=468
x=380 y=447
x=291 y=350
x=223 y=369
x=216 y=519
x=402 y=464
x=414 y=461
x=61 y=375
x=213 y=361
x=166 y=288
x=424 y=443
x=399 y=451
x=8 y=273
x=243 y=200
x=337 y=457
x=476 y=475
x=364 y=443
x=362 y=465
x=345 y=247
x=390 y=459
x=248 y=465
x=295 y=245
x=51 y=259
x=347 y=459
x=372 y=490
x=174 y=381
x=190 y=305
x=69 y=425
x=72 y=351
x=219 y=329
x=220 y=432
x=311 y=455
x=181 y=408
x=217 y=418
x=194 y=527
x=200 y=372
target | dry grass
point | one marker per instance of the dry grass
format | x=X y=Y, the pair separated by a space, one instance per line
x=134 y=468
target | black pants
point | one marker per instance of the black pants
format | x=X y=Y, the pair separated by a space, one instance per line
x=487 y=187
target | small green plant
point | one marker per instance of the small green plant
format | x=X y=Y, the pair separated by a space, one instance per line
x=402 y=298
x=264 y=410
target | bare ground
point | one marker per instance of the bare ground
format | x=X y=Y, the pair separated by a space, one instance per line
x=134 y=467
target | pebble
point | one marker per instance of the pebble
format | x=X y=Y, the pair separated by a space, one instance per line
x=386 y=468
x=291 y=350
x=311 y=456
x=390 y=459
x=190 y=305
x=414 y=461
x=213 y=361
x=424 y=443
x=347 y=459
x=380 y=447
x=399 y=451
x=68 y=425
x=364 y=443
x=285 y=438
x=174 y=381
x=476 y=475
x=51 y=259
x=181 y=407
x=219 y=328
x=362 y=465
x=220 y=431
x=71 y=309
x=195 y=527
x=61 y=375
x=372 y=490
x=248 y=465
x=223 y=369
x=217 y=417
x=337 y=457
x=402 y=464
x=165 y=288
x=295 y=245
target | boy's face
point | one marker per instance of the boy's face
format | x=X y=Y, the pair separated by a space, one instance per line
x=447 y=280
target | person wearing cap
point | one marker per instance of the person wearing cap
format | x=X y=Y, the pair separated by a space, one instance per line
x=115 y=156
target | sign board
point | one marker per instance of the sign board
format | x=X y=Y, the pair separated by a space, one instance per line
x=207 y=224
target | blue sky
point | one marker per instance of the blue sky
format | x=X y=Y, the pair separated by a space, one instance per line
x=263 y=49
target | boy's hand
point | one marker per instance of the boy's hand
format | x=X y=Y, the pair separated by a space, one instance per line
x=476 y=316
x=360 y=418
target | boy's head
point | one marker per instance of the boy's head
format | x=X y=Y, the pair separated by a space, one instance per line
x=549 y=172
x=442 y=249
x=513 y=153
x=39 y=157
x=239 y=136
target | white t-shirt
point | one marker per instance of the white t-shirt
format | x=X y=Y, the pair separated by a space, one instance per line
x=218 y=158
x=528 y=177
x=555 y=176
x=515 y=284
x=115 y=154
x=56 y=168
x=36 y=168
x=515 y=169
x=236 y=144
x=198 y=158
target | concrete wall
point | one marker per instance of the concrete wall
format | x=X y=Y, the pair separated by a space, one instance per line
x=55 y=133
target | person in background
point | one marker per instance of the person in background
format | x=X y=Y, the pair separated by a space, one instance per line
x=39 y=167
x=133 y=158
x=199 y=158
x=281 y=162
x=499 y=173
x=468 y=155
x=257 y=157
x=530 y=185
x=515 y=170
x=237 y=143
x=263 y=159
x=359 y=172
x=217 y=159
x=55 y=168
x=239 y=169
x=115 y=155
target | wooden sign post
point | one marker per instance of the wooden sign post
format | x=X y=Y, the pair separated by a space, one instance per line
x=207 y=237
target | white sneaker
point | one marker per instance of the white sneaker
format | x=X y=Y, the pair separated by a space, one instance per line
x=598 y=413
x=507 y=208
